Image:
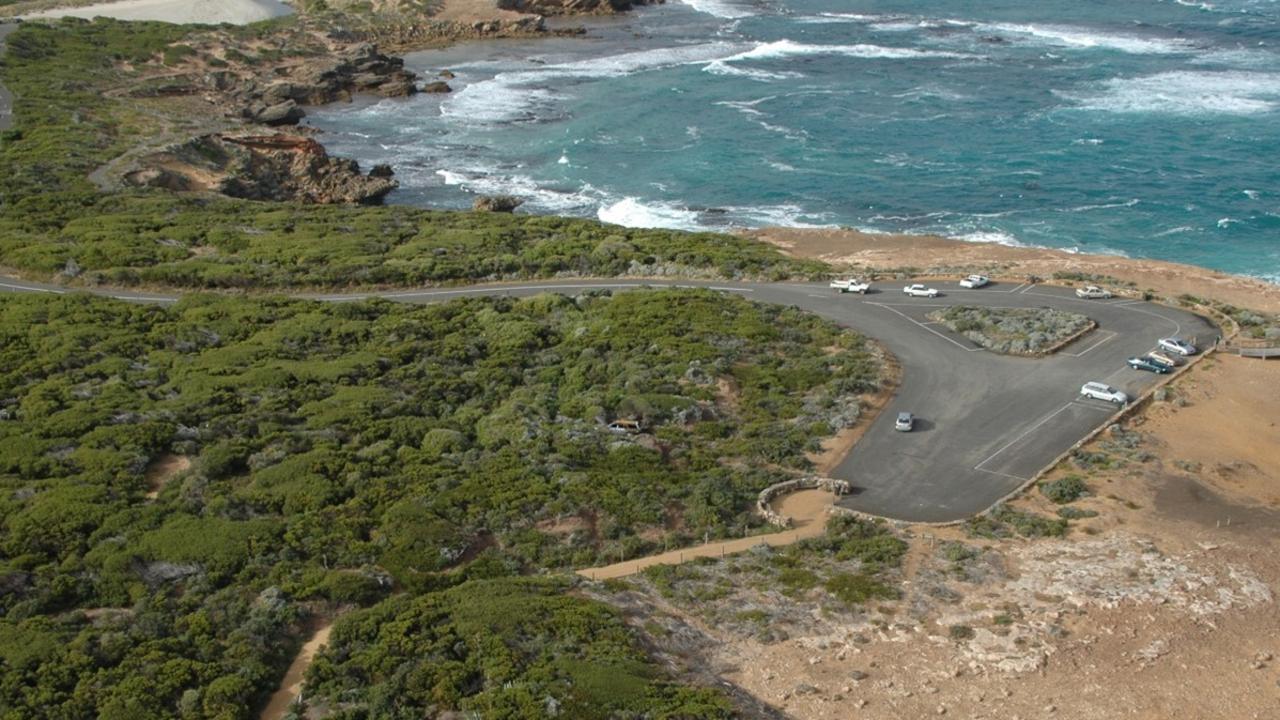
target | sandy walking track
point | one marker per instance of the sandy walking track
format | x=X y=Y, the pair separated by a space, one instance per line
x=291 y=685
x=806 y=508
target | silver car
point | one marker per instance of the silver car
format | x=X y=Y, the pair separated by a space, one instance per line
x=905 y=422
x=1103 y=391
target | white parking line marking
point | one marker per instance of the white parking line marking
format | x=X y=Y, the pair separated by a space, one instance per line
x=1024 y=292
x=997 y=472
x=935 y=332
x=1109 y=335
x=1020 y=286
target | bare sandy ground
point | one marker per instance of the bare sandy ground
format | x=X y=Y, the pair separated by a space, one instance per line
x=290 y=687
x=162 y=470
x=212 y=12
x=473 y=11
x=806 y=508
x=935 y=255
x=1162 y=607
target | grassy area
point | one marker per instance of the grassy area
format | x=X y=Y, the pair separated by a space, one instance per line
x=345 y=452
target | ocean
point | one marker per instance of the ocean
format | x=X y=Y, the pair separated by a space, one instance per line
x=1145 y=128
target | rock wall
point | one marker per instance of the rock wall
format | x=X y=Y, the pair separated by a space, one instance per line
x=765 y=499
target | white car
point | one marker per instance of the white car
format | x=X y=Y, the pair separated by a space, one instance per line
x=919 y=290
x=1093 y=292
x=905 y=422
x=1177 y=345
x=1163 y=358
x=1103 y=391
x=850 y=285
x=974 y=281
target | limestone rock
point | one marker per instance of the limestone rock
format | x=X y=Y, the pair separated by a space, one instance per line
x=497 y=203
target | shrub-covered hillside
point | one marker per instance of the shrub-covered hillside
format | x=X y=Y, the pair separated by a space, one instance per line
x=157 y=238
x=344 y=453
x=78 y=108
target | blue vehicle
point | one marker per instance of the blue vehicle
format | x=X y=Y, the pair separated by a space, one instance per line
x=1141 y=363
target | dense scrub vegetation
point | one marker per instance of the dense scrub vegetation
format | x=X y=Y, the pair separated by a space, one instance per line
x=130 y=239
x=530 y=649
x=72 y=117
x=1014 y=331
x=344 y=453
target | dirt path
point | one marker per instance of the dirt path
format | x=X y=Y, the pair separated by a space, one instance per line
x=162 y=470
x=806 y=508
x=291 y=686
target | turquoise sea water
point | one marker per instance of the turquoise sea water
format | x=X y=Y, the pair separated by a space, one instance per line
x=1149 y=128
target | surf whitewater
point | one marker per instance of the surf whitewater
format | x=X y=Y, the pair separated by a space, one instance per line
x=1136 y=127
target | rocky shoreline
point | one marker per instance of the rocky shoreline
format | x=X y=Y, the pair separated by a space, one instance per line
x=249 y=93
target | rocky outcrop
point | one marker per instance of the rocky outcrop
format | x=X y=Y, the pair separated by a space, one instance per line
x=497 y=203
x=358 y=68
x=262 y=167
x=571 y=7
x=416 y=33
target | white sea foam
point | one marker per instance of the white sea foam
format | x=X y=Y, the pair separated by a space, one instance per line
x=493 y=181
x=790 y=216
x=790 y=48
x=722 y=67
x=1184 y=92
x=992 y=236
x=720 y=8
x=1085 y=38
x=1226 y=222
x=522 y=95
x=1175 y=231
x=631 y=212
x=1240 y=58
x=1251 y=194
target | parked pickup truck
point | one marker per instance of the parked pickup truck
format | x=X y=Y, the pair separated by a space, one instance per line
x=919 y=290
x=850 y=285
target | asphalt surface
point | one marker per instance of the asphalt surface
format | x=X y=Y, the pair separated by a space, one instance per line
x=987 y=423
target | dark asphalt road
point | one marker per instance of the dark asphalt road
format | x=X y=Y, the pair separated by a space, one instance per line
x=987 y=423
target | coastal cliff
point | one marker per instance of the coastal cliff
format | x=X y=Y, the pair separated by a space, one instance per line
x=262 y=167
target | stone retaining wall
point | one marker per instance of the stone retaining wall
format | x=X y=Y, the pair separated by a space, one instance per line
x=839 y=487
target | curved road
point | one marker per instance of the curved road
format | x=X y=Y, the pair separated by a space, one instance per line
x=987 y=423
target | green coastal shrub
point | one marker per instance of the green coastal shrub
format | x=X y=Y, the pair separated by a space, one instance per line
x=379 y=455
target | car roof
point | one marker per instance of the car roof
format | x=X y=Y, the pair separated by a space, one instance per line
x=903 y=415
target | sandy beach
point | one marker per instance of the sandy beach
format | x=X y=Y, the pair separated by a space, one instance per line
x=211 y=12
x=933 y=255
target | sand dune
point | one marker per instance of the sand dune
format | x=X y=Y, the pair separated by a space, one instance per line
x=236 y=12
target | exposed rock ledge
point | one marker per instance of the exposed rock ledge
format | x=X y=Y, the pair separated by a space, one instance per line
x=358 y=68
x=573 y=7
x=262 y=167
